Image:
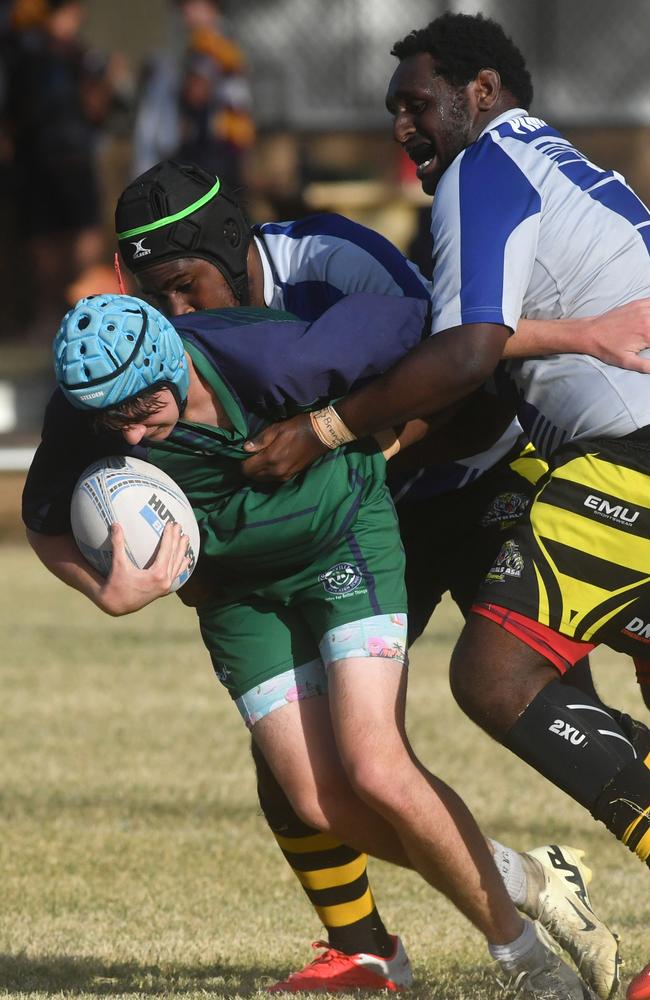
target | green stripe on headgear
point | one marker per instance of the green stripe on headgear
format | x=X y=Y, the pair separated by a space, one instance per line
x=180 y=211
x=194 y=207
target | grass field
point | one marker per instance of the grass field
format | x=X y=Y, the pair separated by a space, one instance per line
x=134 y=858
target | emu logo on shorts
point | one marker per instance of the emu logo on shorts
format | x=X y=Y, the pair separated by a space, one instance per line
x=509 y=563
x=341 y=579
x=504 y=509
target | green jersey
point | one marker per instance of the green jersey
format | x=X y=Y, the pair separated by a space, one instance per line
x=255 y=533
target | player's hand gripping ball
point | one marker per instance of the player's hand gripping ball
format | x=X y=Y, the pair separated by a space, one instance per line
x=142 y=498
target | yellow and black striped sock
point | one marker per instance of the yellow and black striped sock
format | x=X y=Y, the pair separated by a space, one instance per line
x=335 y=880
x=333 y=875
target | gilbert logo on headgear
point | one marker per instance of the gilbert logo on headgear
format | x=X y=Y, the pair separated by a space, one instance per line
x=140 y=251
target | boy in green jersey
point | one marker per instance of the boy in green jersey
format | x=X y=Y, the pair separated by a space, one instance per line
x=307 y=625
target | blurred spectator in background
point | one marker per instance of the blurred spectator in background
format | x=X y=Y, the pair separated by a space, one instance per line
x=58 y=96
x=197 y=109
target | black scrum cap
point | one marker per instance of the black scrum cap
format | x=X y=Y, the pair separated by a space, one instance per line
x=177 y=210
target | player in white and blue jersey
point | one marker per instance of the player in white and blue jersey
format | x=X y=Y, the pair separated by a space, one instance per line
x=524 y=224
x=211 y=257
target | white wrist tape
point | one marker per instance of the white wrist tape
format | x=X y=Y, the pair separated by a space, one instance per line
x=329 y=428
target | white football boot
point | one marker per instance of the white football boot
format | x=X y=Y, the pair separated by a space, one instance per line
x=542 y=975
x=558 y=898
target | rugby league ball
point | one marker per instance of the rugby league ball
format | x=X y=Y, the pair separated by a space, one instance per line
x=143 y=499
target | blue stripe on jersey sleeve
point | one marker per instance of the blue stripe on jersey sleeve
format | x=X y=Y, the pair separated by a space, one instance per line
x=613 y=194
x=331 y=224
x=495 y=198
x=604 y=186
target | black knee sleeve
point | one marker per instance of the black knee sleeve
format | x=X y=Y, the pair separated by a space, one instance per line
x=579 y=676
x=637 y=732
x=571 y=740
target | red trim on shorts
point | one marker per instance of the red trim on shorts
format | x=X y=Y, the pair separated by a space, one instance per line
x=562 y=651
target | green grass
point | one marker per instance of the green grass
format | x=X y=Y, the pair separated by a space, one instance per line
x=134 y=858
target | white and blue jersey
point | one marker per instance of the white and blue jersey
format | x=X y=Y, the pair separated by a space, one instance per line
x=311 y=263
x=524 y=225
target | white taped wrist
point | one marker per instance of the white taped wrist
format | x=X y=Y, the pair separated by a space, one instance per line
x=329 y=428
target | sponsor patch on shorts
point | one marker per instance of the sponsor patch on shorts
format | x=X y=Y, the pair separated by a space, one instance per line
x=223 y=672
x=509 y=563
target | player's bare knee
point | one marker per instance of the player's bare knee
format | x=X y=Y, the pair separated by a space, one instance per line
x=494 y=676
x=367 y=776
x=328 y=805
x=473 y=683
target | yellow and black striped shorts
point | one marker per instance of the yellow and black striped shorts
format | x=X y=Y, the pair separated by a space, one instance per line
x=579 y=561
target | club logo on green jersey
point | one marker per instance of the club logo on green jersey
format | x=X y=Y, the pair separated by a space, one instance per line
x=341 y=579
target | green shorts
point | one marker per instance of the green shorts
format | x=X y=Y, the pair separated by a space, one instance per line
x=281 y=626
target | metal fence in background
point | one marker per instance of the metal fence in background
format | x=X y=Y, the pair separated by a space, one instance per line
x=318 y=65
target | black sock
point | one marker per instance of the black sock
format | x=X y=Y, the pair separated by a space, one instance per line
x=624 y=807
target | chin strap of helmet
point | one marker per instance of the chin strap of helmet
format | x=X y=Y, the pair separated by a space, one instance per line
x=118 y=273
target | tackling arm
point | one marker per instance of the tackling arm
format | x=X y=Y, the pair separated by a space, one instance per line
x=437 y=373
